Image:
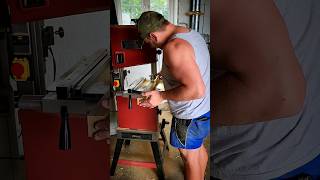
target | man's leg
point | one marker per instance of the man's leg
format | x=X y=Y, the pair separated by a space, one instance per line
x=188 y=136
x=203 y=159
x=192 y=163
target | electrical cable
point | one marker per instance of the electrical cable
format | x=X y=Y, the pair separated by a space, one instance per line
x=54 y=64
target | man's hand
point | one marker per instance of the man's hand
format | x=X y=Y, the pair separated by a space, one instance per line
x=101 y=127
x=105 y=102
x=102 y=130
x=151 y=99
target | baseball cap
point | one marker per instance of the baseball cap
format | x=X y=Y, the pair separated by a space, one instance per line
x=149 y=21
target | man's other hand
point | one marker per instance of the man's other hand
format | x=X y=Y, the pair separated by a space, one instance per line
x=151 y=99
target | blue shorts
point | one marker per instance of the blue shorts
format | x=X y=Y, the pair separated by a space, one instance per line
x=311 y=169
x=189 y=133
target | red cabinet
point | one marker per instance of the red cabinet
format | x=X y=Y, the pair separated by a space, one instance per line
x=136 y=118
x=87 y=159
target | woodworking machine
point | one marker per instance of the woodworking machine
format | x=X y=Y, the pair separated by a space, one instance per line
x=57 y=123
x=58 y=127
x=126 y=51
x=135 y=122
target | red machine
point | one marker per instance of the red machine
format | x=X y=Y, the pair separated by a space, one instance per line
x=126 y=48
x=47 y=155
x=134 y=122
x=126 y=51
x=83 y=158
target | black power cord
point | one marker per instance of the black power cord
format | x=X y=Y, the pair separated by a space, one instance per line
x=54 y=64
x=47 y=41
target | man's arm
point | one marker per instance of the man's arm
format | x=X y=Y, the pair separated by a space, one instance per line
x=264 y=80
x=180 y=59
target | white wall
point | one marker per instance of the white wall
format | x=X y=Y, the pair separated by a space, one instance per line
x=183 y=19
x=205 y=20
x=84 y=34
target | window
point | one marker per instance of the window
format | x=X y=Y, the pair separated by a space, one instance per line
x=160 y=6
x=132 y=9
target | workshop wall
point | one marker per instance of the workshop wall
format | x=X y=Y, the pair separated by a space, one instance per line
x=183 y=19
x=83 y=35
x=205 y=20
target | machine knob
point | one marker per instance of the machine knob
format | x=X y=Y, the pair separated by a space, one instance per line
x=159 y=52
x=60 y=32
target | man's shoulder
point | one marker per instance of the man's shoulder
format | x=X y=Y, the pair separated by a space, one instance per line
x=177 y=45
x=176 y=51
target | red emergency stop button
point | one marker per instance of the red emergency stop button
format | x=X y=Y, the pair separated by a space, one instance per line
x=17 y=70
x=20 y=69
x=116 y=83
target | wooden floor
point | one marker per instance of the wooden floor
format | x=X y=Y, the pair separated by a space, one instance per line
x=141 y=151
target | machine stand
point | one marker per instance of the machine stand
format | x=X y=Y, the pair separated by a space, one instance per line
x=116 y=156
x=158 y=158
x=125 y=136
